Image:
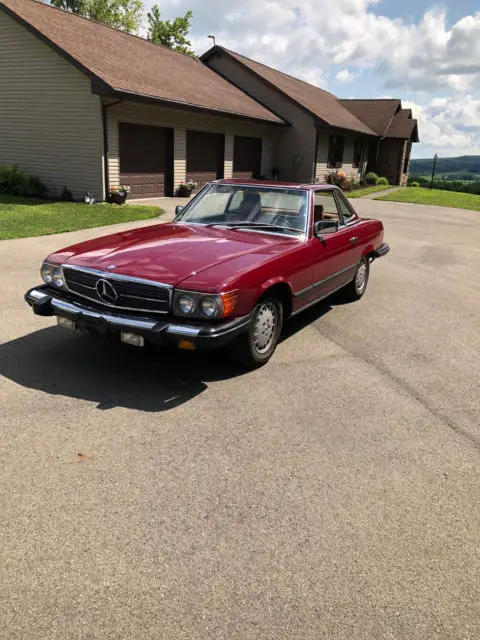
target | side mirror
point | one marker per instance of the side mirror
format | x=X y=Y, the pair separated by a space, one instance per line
x=178 y=209
x=323 y=227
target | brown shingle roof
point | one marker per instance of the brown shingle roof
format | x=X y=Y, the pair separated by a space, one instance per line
x=132 y=65
x=403 y=126
x=321 y=104
x=377 y=114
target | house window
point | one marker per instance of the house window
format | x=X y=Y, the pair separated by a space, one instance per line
x=358 y=153
x=336 y=146
x=407 y=157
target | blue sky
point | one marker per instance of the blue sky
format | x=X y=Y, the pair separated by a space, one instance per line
x=426 y=53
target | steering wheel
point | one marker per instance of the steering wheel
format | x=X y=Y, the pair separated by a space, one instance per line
x=282 y=220
x=234 y=216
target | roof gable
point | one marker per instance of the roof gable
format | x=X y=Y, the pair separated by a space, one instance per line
x=130 y=65
x=319 y=103
x=377 y=114
x=403 y=126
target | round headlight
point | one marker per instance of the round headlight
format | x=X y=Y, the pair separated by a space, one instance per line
x=210 y=307
x=58 y=280
x=47 y=273
x=186 y=304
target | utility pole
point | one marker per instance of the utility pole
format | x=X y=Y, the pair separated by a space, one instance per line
x=435 y=158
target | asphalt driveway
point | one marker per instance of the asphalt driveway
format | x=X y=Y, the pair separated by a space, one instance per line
x=333 y=494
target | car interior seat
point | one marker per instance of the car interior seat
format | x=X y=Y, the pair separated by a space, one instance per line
x=250 y=206
x=317 y=213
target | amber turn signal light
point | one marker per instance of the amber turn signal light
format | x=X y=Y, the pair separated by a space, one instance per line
x=229 y=302
x=186 y=345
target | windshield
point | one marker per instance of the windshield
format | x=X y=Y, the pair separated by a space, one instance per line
x=269 y=209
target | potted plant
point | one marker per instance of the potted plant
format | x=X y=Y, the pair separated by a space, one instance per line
x=185 y=188
x=118 y=194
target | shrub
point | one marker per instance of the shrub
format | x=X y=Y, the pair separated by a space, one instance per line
x=16 y=183
x=414 y=184
x=353 y=184
x=371 y=179
x=66 y=195
x=339 y=179
x=33 y=187
x=383 y=181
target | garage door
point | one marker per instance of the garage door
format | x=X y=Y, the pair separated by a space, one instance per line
x=205 y=156
x=146 y=160
x=247 y=157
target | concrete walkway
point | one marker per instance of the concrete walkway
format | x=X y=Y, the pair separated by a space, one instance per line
x=377 y=194
x=168 y=204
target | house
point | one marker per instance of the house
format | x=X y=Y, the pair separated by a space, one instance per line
x=86 y=106
x=389 y=155
x=325 y=133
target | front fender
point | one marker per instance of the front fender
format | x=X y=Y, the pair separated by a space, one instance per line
x=271 y=282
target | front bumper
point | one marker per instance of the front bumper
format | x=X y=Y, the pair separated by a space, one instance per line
x=44 y=302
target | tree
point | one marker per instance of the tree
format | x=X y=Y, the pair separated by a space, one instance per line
x=170 y=34
x=121 y=14
x=75 y=6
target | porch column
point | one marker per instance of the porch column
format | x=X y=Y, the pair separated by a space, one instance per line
x=179 y=157
x=228 y=160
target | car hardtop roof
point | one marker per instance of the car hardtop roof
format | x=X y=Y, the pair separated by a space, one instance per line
x=273 y=184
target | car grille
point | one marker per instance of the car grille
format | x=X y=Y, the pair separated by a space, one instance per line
x=127 y=293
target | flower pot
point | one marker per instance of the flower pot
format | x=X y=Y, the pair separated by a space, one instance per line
x=184 y=192
x=118 y=197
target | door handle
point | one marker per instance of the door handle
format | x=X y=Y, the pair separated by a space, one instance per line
x=353 y=239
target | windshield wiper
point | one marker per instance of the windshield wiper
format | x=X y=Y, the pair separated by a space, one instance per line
x=254 y=225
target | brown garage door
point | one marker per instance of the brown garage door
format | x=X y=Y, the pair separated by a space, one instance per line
x=247 y=157
x=205 y=156
x=146 y=160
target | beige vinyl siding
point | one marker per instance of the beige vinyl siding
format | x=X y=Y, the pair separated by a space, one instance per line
x=50 y=123
x=179 y=155
x=322 y=168
x=228 y=165
x=181 y=120
x=297 y=140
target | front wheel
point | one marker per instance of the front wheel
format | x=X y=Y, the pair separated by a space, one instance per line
x=357 y=287
x=255 y=347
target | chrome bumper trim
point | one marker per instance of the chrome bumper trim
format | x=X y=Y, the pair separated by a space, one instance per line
x=182 y=330
x=121 y=321
x=38 y=295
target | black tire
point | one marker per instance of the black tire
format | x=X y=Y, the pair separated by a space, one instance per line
x=355 y=289
x=252 y=350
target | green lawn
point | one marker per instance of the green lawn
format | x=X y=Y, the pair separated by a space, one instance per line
x=436 y=197
x=365 y=191
x=25 y=217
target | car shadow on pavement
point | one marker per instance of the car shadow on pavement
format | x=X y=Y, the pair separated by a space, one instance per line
x=58 y=362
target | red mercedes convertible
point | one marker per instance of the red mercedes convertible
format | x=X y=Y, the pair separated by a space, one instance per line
x=238 y=260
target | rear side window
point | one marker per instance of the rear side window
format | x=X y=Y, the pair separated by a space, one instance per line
x=325 y=207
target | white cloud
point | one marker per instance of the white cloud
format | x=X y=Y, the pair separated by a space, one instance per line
x=450 y=126
x=345 y=75
x=307 y=37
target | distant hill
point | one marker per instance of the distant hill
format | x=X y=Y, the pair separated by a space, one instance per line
x=463 y=167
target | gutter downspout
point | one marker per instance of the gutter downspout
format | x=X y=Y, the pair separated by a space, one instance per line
x=105 y=108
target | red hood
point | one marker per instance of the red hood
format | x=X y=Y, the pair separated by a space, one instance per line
x=170 y=253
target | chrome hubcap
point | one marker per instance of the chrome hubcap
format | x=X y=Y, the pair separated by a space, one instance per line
x=361 y=278
x=265 y=327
